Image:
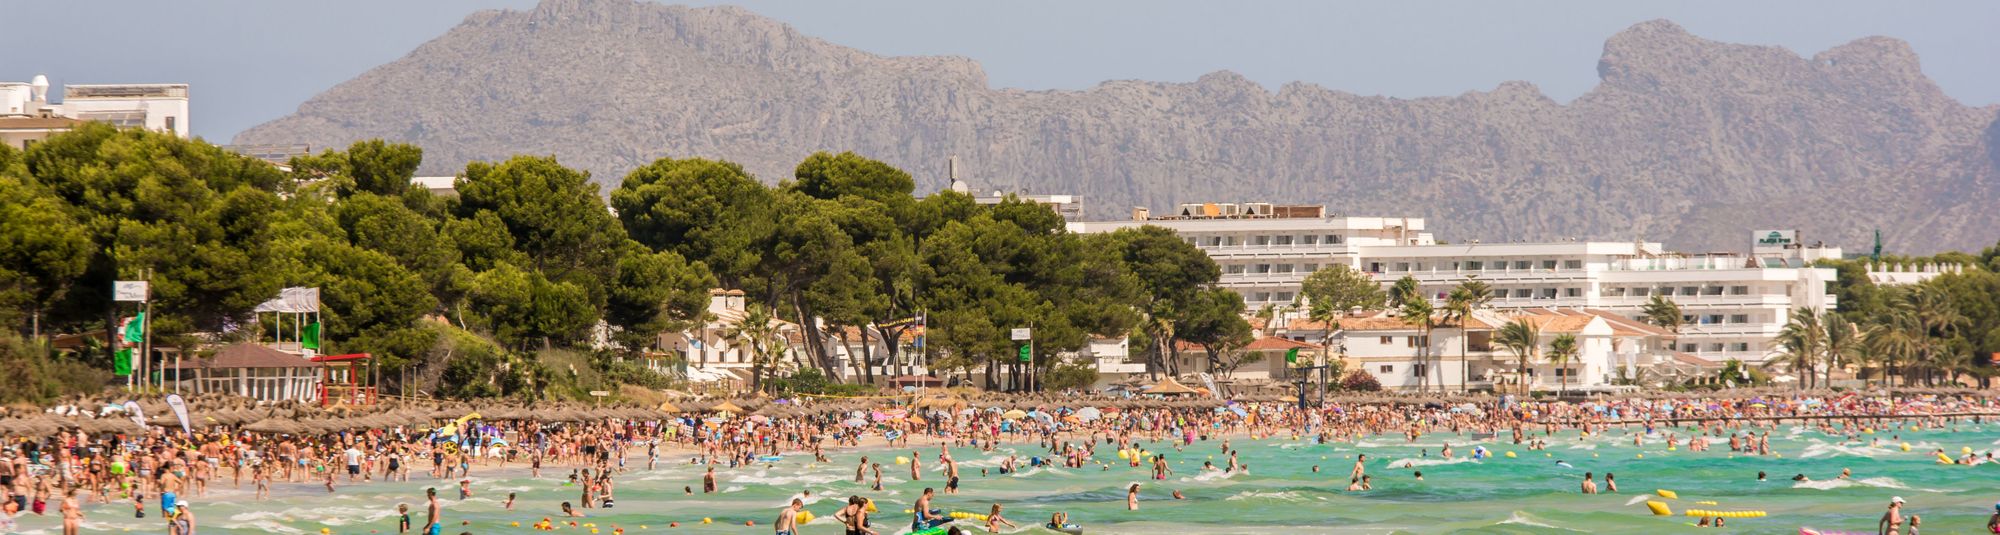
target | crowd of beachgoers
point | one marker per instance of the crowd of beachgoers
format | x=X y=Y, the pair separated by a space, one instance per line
x=63 y=459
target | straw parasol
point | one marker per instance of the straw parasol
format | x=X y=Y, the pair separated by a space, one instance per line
x=1170 y=387
x=728 y=407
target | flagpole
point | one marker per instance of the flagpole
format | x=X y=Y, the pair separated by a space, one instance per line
x=146 y=327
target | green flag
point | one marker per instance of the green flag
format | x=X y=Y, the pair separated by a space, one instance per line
x=135 y=330
x=1292 y=356
x=1026 y=355
x=310 y=340
x=122 y=364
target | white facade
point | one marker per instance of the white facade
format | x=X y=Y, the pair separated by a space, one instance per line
x=1733 y=304
x=157 y=107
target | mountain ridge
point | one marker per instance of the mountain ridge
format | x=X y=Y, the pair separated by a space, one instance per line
x=1684 y=140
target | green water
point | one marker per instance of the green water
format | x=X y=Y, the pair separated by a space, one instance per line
x=1279 y=494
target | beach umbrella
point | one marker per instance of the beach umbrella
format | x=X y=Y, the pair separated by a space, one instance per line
x=854 y=422
x=1015 y=414
x=1088 y=414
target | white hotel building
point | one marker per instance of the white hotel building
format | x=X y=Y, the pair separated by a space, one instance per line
x=1733 y=303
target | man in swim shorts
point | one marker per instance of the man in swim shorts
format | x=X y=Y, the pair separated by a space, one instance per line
x=432 y=524
x=788 y=519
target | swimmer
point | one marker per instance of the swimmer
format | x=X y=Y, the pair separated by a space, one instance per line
x=1589 y=484
x=1420 y=475
x=1132 y=498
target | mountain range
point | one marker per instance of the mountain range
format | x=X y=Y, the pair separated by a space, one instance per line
x=1684 y=140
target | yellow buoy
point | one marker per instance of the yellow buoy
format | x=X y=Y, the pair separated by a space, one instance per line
x=1642 y=456
x=1906 y=446
x=1510 y=455
x=1659 y=509
x=707 y=520
x=1965 y=449
x=1668 y=494
x=902 y=460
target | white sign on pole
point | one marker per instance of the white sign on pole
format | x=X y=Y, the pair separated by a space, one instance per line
x=134 y=291
x=1023 y=333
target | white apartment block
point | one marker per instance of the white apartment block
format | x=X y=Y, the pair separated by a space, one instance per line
x=27 y=113
x=1733 y=304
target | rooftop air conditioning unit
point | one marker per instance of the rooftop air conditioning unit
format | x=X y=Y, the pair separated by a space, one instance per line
x=1229 y=209
x=1257 y=209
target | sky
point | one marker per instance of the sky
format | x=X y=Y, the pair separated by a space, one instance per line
x=251 y=61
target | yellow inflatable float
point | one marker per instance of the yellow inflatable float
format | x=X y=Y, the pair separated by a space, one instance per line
x=1725 y=514
x=1668 y=494
x=1659 y=508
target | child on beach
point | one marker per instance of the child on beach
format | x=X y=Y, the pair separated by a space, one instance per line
x=403 y=525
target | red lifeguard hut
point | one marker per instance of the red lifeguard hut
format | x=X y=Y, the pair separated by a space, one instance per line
x=341 y=377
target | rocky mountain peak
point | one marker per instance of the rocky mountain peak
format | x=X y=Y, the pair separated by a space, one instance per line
x=1686 y=140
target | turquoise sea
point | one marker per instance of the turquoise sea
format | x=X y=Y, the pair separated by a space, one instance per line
x=1529 y=493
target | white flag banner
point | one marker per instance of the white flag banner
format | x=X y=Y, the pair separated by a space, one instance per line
x=180 y=411
x=138 y=416
x=293 y=300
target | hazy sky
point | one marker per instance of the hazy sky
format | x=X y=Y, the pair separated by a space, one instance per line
x=251 y=61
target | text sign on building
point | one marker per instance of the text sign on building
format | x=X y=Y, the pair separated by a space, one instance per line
x=1022 y=334
x=1771 y=240
x=134 y=291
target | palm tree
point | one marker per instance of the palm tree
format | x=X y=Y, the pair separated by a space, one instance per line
x=757 y=333
x=1403 y=292
x=1562 y=351
x=1663 y=312
x=1417 y=313
x=1803 y=340
x=1896 y=335
x=1524 y=340
x=1843 y=342
x=1470 y=295
x=1939 y=318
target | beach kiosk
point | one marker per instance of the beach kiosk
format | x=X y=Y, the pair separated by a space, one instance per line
x=254 y=371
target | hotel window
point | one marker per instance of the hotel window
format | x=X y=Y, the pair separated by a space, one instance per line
x=1215 y=241
x=1690 y=347
x=1260 y=240
x=1549 y=265
x=170 y=124
x=1641 y=291
x=1712 y=290
x=1332 y=239
x=1521 y=264
x=1233 y=269
x=1572 y=264
x=1572 y=292
x=1262 y=268
x=1717 y=347
x=1387 y=340
x=1284 y=268
x=1409 y=341
x=1402 y=266
x=1229 y=240
x=1420 y=370
x=1285 y=297
x=1262 y=297
x=1739 y=318
x=1690 y=318
x=1284 y=240
x=1475 y=265
x=1192 y=241
x=1548 y=293
x=1374 y=267
x=1420 y=267
x=1309 y=239
x=1616 y=291
x=1711 y=319
x=1309 y=268
x=1522 y=293
x=1739 y=290
x=1740 y=346
x=1667 y=291
x=1388 y=368
x=1690 y=290
x=1565 y=372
